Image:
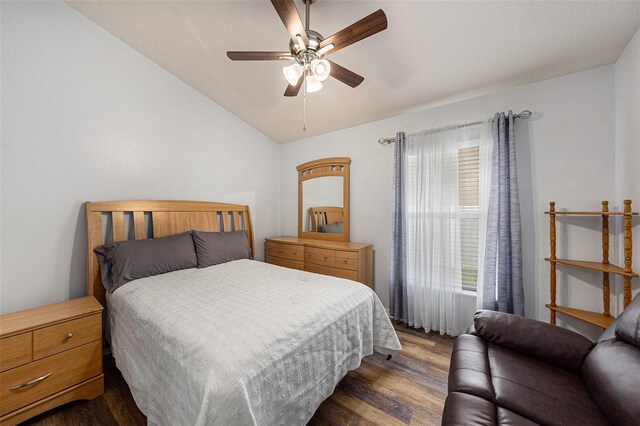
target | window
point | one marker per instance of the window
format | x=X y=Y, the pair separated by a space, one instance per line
x=469 y=195
x=468 y=169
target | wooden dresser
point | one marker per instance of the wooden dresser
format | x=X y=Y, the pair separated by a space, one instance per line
x=49 y=356
x=339 y=259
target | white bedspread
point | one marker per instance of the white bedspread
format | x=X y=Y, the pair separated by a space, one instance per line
x=242 y=343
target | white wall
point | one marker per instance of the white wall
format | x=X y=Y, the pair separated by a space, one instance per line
x=86 y=117
x=565 y=153
x=627 y=87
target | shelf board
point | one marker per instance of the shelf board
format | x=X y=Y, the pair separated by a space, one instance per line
x=596 y=213
x=595 y=318
x=595 y=266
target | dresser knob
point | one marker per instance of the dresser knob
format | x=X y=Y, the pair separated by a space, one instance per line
x=69 y=336
x=325 y=258
x=279 y=250
x=309 y=255
x=295 y=252
x=345 y=260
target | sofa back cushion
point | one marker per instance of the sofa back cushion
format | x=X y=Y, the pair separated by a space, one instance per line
x=554 y=345
x=612 y=375
x=628 y=324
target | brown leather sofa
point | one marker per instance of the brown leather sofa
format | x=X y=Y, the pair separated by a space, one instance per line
x=516 y=371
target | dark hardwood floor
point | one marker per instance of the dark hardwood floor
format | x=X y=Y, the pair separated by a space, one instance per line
x=408 y=390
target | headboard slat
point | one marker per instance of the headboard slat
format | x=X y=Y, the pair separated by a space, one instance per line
x=180 y=222
x=161 y=226
x=213 y=217
x=200 y=221
x=138 y=226
x=117 y=220
x=225 y=221
x=236 y=221
x=167 y=218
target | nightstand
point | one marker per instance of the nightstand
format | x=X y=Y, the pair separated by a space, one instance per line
x=49 y=356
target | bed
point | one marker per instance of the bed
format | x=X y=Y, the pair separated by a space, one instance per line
x=243 y=342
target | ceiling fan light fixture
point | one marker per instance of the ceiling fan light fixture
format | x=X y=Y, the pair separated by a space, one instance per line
x=325 y=49
x=292 y=73
x=313 y=84
x=321 y=69
x=301 y=44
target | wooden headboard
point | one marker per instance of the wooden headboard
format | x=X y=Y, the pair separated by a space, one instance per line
x=155 y=219
x=325 y=216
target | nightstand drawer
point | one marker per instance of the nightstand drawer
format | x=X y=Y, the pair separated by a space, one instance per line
x=15 y=351
x=67 y=335
x=56 y=373
x=347 y=260
x=320 y=256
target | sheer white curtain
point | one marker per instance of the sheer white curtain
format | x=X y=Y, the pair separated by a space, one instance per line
x=433 y=214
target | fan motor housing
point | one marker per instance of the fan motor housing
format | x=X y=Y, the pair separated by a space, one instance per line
x=315 y=38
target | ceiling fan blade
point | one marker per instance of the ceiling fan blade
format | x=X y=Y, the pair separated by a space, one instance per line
x=256 y=56
x=349 y=78
x=293 y=90
x=291 y=19
x=357 y=31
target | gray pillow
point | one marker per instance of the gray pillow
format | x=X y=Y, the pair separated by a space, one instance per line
x=124 y=261
x=334 y=228
x=213 y=248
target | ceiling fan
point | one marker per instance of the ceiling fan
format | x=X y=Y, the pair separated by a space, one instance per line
x=308 y=48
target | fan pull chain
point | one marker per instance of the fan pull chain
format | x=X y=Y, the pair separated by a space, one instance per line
x=304 y=104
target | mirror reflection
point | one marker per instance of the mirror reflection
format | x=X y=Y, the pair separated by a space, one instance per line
x=322 y=205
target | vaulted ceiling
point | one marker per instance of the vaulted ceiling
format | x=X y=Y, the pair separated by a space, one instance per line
x=430 y=52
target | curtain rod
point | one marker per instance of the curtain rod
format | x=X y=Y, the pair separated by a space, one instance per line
x=524 y=114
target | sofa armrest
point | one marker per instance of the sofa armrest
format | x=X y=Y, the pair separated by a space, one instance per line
x=553 y=345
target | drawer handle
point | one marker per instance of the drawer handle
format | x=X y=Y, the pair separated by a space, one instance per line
x=309 y=255
x=345 y=260
x=295 y=252
x=279 y=250
x=69 y=335
x=325 y=258
x=31 y=383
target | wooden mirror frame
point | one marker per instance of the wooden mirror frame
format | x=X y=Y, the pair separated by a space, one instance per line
x=334 y=166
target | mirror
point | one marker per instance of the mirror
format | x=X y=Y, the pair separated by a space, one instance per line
x=323 y=199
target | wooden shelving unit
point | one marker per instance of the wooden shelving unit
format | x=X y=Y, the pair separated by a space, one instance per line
x=604 y=318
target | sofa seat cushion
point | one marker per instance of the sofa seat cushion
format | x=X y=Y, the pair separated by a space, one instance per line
x=469 y=370
x=469 y=410
x=539 y=391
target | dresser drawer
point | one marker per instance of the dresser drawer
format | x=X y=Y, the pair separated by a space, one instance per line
x=61 y=337
x=287 y=263
x=347 y=260
x=324 y=257
x=285 y=251
x=62 y=370
x=334 y=272
x=15 y=351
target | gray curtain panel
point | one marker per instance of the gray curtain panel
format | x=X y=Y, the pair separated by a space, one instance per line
x=398 y=307
x=503 y=289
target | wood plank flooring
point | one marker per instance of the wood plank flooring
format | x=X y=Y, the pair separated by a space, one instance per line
x=408 y=390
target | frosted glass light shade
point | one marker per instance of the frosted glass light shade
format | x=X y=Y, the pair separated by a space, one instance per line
x=292 y=73
x=321 y=68
x=313 y=84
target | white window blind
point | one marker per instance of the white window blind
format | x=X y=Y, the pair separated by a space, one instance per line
x=468 y=184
